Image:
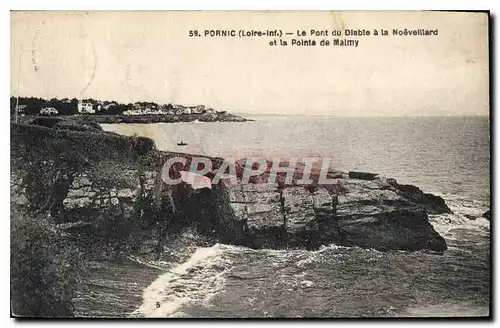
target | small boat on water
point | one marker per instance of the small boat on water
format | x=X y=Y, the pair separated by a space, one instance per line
x=182 y=143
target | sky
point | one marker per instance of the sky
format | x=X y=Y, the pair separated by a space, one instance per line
x=149 y=56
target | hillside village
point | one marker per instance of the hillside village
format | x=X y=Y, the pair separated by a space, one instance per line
x=53 y=107
x=139 y=108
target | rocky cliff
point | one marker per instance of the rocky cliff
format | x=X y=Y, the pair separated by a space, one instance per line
x=372 y=214
x=109 y=185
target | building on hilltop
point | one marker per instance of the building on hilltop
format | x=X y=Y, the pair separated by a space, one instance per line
x=21 y=109
x=85 y=107
x=48 y=111
x=200 y=109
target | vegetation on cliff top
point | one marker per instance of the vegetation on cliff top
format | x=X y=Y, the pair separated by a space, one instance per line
x=44 y=267
x=49 y=246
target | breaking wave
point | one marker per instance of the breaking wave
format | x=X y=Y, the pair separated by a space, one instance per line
x=198 y=279
x=467 y=214
x=194 y=282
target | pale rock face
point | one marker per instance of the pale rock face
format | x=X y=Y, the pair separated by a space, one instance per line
x=86 y=193
x=372 y=214
x=364 y=210
x=125 y=193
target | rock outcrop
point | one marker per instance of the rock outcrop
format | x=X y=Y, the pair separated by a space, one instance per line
x=90 y=175
x=371 y=214
x=432 y=203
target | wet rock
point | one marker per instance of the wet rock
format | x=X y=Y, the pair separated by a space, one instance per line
x=398 y=229
x=362 y=175
x=432 y=203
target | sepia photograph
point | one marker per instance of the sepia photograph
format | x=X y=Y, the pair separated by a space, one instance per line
x=250 y=164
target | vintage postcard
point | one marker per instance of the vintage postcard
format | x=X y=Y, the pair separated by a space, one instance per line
x=250 y=164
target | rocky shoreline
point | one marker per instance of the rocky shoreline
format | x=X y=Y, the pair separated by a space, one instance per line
x=146 y=119
x=106 y=190
x=375 y=213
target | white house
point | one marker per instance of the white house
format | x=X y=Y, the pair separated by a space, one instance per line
x=200 y=109
x=132 y=112
x=49 y=111
x=85 y=107
x=21 y=109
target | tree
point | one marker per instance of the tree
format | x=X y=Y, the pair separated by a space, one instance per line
x=13 y=102
x=117 y=109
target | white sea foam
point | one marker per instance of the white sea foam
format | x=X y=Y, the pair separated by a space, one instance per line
x=161 y=265
x=466 y=214
x=197 y=279
x=462 y=309
x=306 y=284
x=444 y=224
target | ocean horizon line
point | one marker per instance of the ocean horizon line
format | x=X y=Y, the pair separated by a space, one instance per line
x=358 y=116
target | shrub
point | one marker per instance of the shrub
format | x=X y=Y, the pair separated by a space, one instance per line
x=75 y=126
x=142 y=145
x=44 y=270
x=48 y=122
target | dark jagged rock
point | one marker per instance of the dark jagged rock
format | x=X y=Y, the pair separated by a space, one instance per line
x=362 y=175
x=434 y=204
x=487 y=215
x=470 y=216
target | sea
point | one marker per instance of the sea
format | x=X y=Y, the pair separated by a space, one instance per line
x=446 y=156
